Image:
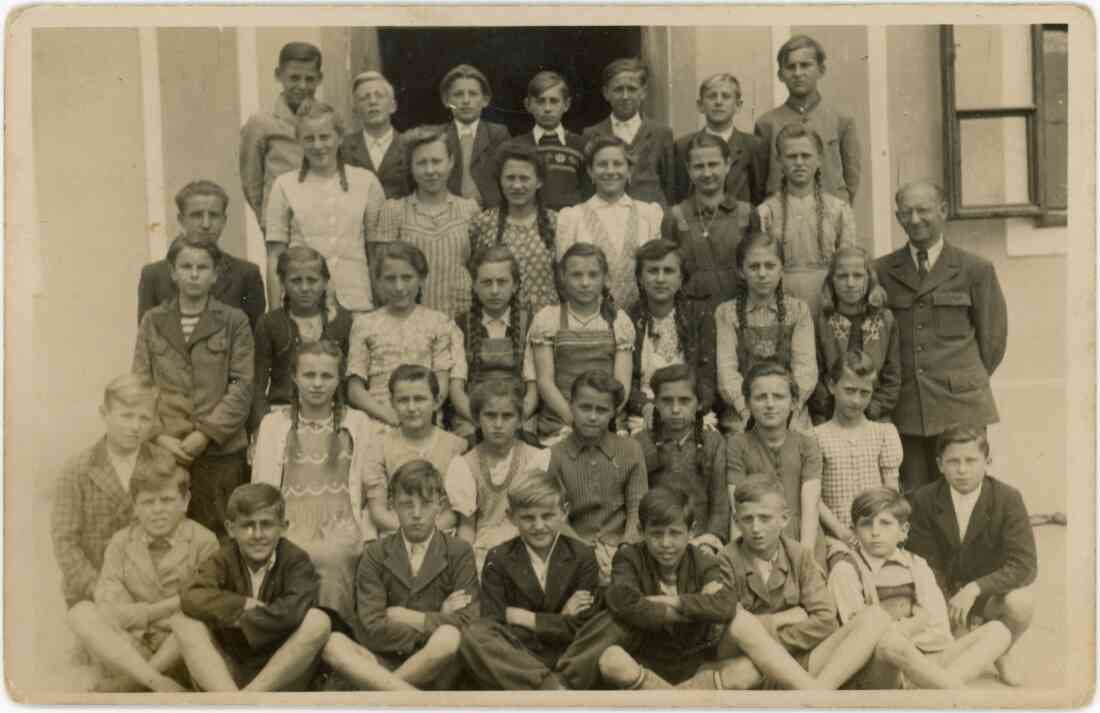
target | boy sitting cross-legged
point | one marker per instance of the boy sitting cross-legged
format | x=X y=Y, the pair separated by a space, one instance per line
x=880 y=574
x=127 y=629
x=780 y=582
x=415 y=589
x=538 y=590
x=249 y=612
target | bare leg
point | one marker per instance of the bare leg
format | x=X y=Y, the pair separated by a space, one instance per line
x=767 y=654
x=433 y=660
x=896 y=652
x=1014 y=610
x=296 y=655
x=847 y=650
x=619 y=668
x=359 y=666
x=113 y=647
x=202 y=655
x=970 y=655
x=740 y=674
x=168 y=655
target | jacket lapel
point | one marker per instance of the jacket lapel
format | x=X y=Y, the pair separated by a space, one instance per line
x=736 y=149
x=945 y=513
x=947 y=266
x=903 y=270
x=642 y=136
x=360 y=152
x=980 y=516
x=435 y=562
x=523 y=574
x=106 y=479
x=397 y=560
x=392 y=155
x=168 y=326
x=137 y=552
x=211 y=321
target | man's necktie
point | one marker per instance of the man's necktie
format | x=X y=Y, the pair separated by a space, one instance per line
x=469 y=188
x=922 y=263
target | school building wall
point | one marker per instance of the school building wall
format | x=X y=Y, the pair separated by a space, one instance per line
x=115 y=138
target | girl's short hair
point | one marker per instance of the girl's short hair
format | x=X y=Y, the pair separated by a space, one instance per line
x=417 y=477
x=415 y=372
x=598 y=380
x=672 y=374
x=464 y=71
x=422 y=136
x=626 y=64
x=201 y=187
x=881 y=499
x=130 y=390
x=522 y=154
x=300 y=52
x=299 y=254
x=768 y=367
x=546 y=80
x=828 y=292
x=656 y=250
x=962 y=433
x=606 y=141
x=717 y=78
x=187 y=241
x=756 y=487
x=536 y=488
x=666 y=505
x=798 y=131
x=372 y=76
x=403 y=251
x=250 y=498
x=705 y=140
x=759 y=239
x=496 y=388
x=157 y=473
x=800 y=42
x=856 y=361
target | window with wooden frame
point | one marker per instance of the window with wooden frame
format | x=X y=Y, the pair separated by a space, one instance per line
x=1005 y=92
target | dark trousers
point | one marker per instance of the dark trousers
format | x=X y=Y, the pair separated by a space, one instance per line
x=499 y=659
x=918 y=465
x=213 y=480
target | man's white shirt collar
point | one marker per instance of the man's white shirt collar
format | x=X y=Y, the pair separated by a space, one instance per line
x=933 y=253
x=470 y=128
x=539 y=132
x=540 y=565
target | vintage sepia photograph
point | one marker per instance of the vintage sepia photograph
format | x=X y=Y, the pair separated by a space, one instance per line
x=551 y=356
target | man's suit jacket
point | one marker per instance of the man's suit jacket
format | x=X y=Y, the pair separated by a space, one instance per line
x=483 y=165
x=999 y=549
x=393 y=174
x=508 y=580
x=652 y=177
x=238 y=285
x=748 y=176
x=953 y=328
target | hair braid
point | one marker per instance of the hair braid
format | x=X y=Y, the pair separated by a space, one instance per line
x=608 y=310
x=700 y=465
x=819 y=214
x=783 y=208
x=473 y=339
x=502 y=218
x=546 y=231
x=516 y=326
x=683 y=332
x=304 y=170
x=342 y=171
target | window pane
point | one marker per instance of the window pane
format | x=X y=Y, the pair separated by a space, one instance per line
x=994 y=161
x=1055 y=88
x=992 y=66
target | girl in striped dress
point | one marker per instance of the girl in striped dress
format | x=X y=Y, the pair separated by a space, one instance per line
x=434 y=220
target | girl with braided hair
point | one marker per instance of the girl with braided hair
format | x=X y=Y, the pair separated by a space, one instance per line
x=670 y=328
x=760 y=323
x=586 y=332
x=523 y=224
x=327 y=205
x=680 y=452
x=494 y=338
x=313 y=453
x=810 y=222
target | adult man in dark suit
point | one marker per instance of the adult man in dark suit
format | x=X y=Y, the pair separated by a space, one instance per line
x=953 y=325
x=203 y=206
x=378 y=147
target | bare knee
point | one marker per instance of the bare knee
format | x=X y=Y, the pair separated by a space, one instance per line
x=187 y=629
x=82 y=615
x=1019 y=606
x=315 y=627
x=740 y=674
x=339 y=648
x=873 y=618
x=894 y=649
x=617 y=666
x=444 y=641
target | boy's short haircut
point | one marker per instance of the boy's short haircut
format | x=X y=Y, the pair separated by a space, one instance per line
x=598 y=380
x=300 y=52
x=856 y=361
x=464 y=71
x=188 y=241
x=800 y=42
x=496 y=388
x=201 y=187
x=130 y=390
x=719 y=77
x=757 y=487
x=632 y=65
x=159 y=471
x=881 y=499
x=546 y=80
x=415 y=372
x=962 y=433
x=372 y=76
x=417 y=477
x=663 y=506
x=250 y=498
x=536 y=488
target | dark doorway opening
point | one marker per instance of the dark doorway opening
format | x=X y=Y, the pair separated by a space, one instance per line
x=415 y=60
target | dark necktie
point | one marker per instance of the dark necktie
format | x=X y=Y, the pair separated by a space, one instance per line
x=550 y=139
x=922 y=263
x=158 y=548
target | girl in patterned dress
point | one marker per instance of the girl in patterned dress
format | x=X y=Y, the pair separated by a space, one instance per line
x=524 y=225
x=327 y=205
x=761 y=323
x=811 y=223
x=611 y=219
x=314 y=453
x=434 y=220
x=401 y=332
x=477 y=483
x=494 y=338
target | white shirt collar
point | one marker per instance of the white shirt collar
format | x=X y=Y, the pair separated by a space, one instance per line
x=384 y=140
x=539 y=132
x=416 y=559
x=876 y=563
x=464 y=128
x=540 y=565
x=964 y=506
x=124 y=466
x=725 y=135
x=260 y=575
x=631 y=124
x=488 y=320
x=599 y=203
x=933 y=253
